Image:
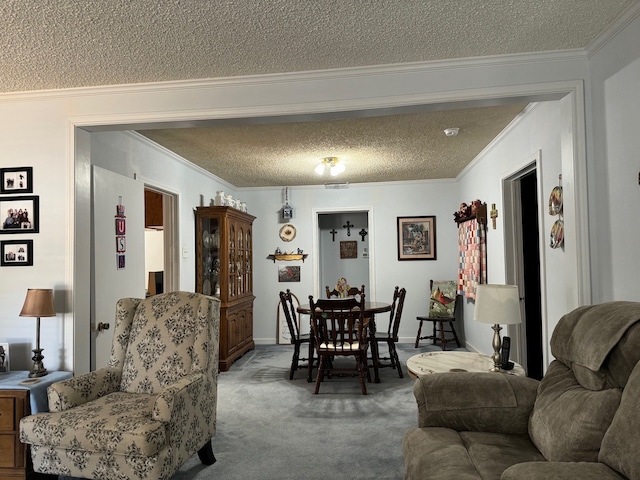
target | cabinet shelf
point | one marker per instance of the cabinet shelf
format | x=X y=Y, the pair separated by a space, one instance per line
x=288 y=256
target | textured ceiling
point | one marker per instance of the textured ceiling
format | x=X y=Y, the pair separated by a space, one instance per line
x=53 y=44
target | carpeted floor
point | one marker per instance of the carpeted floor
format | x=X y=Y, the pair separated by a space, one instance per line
x=272 y=428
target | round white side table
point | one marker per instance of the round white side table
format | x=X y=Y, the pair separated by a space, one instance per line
x=454 y=361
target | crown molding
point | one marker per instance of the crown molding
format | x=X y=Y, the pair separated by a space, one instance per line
x=625 y=18
x=308 y=76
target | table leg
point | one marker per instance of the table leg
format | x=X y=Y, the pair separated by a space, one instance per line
x=374 y=349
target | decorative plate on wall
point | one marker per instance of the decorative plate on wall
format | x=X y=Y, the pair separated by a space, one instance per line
x=557 y=234
x=555 y=201
x=287 y=232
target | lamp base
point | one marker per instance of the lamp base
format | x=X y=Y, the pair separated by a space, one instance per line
x=38 y=369
x=497 y=343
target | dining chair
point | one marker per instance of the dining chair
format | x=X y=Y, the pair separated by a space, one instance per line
x=340 y=330
x=390 y=336
x=287 y=300
x=443 y=307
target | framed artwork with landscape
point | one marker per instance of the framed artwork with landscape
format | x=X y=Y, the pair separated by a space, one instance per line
x=417 y=238
x=19 y=214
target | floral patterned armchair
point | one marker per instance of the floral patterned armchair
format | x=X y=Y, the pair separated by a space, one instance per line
x=150 y=409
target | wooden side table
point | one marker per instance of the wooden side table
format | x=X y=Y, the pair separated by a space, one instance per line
x=18 y=400
x=454 y=361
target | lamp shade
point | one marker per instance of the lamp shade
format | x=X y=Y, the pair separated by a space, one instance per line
x=38 y=303
x=497 y=304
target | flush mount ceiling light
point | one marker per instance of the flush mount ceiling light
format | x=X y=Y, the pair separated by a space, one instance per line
x=451 y=132
x=335 y=166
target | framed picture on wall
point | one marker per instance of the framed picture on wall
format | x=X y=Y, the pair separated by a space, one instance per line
x=16 y=253
x=289 y=274
x=417 y=238
x=19 y=214
x=16 y=180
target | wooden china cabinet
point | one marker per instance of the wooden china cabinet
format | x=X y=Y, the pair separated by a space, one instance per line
x=224 y=268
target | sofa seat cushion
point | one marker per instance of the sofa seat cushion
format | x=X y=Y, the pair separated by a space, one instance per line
x=561 y=471
x=442 y=453
x=436 y=453
x=492 y=453
x=568 y=421
x=119 y=423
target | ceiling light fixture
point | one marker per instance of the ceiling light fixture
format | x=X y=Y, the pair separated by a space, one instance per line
x=335 y=166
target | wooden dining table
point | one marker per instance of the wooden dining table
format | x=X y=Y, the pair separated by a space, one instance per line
x=370 y=310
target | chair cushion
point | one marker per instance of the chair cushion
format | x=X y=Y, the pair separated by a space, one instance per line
x=621 y=443
x=436 y=454
x=568 y=421
x=116 y=423
x=161 y=347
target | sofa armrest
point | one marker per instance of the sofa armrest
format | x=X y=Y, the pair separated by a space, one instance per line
x=466 y=401
x=169 y=400
x=560 y=471
x=83 y=388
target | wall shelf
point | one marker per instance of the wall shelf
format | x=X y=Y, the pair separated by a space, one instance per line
x=288 y=257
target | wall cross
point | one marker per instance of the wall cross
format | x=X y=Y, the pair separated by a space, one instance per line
x=333 y=234
x=363 y=233
x=348 y=227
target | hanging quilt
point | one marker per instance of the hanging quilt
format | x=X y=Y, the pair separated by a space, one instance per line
x=472 y=257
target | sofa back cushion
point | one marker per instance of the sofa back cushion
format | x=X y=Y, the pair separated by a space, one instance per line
x=168 y=339
x=621 y=443
x=568 y=421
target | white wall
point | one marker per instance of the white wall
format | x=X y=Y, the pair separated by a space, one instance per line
x=614 y=166
x=518 y=146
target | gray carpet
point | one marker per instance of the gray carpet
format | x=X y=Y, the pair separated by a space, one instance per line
x=272 y=428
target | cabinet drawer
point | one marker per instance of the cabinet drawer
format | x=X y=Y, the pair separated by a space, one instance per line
x=7 y=447
x=7 y=414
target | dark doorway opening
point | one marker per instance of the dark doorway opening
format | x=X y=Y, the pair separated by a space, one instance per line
x=531 y=264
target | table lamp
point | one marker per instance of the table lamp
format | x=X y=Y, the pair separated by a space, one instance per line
x=497 y=304
x=38 y=303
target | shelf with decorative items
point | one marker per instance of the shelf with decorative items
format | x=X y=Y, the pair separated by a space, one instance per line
x=287 y=256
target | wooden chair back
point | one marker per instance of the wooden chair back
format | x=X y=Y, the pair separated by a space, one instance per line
x=338 y=325
x=352 y=292
x=396 y=312
x=287 y=301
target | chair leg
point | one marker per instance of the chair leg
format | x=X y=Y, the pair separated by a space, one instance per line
x=455 y=335
x=294 y=360
x=418 y=336
x=434 y=333
x=395 y=361
x=320 y=374
x=443 y=340
x=312 y=350
x=361 y=363
x=206 y=454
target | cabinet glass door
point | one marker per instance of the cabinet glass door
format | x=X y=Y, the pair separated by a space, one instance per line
x=210 y=258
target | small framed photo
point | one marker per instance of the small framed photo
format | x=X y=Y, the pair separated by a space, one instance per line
x=417 y=238
x=289 y=274
x=4 y=358
x=16 y=253
x=348 y=249
x=16 y=180
x=19 y=214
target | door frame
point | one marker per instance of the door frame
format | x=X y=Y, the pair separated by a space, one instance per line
x=514 y=261
x=318 y=289
x=171 y=236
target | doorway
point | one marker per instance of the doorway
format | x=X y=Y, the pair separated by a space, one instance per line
x=343 y=238
x=161 y=271
x=523 y=265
